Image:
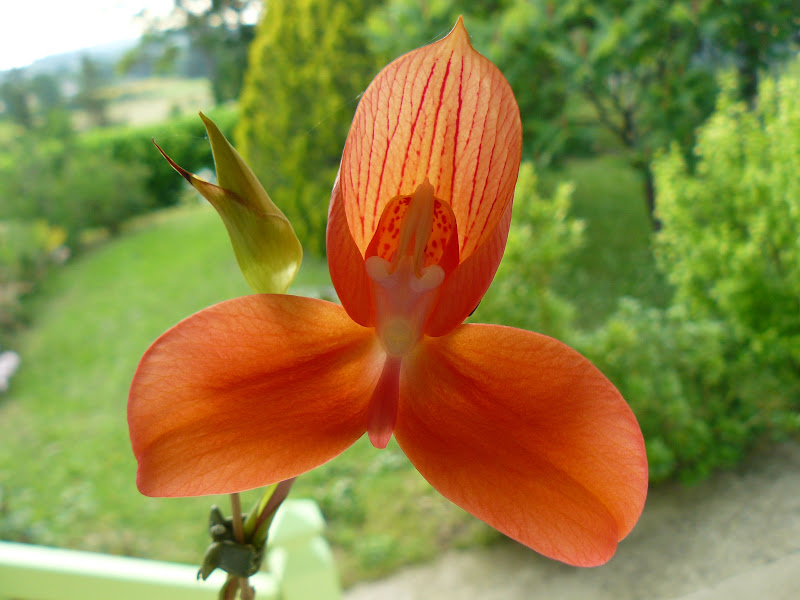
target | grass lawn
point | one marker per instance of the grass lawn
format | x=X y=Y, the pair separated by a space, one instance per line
x=66 y=470
x=616 y=259
x=151 y=100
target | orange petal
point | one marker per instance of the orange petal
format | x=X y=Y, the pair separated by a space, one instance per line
x=463 y=290
x=250 y=392
x=526 y=434
x=346 y=264
x=443 y=112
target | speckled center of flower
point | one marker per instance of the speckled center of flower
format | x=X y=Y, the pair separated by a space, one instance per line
x=412 y=247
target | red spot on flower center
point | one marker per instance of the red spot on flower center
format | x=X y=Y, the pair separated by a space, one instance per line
x=403 y=229
x=413 y=250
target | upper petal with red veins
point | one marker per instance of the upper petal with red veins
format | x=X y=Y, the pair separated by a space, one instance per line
x=443 y=112
x=526 y=434
x=250 y=392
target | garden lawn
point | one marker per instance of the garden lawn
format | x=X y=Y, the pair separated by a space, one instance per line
x=616 y=259
x=152 y=100
x=67 y=475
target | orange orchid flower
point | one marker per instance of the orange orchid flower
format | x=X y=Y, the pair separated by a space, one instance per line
x=513 y=426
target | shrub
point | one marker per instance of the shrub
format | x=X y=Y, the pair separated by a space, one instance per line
x=542 y=236
x=183 y=138
x=102 y=177
x=29 y=167
x=720 y=368
x=729 y=242
x=93 y=191
x=71 y=188
x=675 y=373
x=27 y=248
x=308 y=64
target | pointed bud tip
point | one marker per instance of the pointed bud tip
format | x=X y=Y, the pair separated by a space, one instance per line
x=459 y=33
x=181 y=171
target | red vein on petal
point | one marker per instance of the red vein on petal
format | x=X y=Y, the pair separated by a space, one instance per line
x=389 y=139
x=458 y=123
x=501 y=192
x=499 y=188
x=365 y=190
x=470 y=215
x=511 y=159
x=416 y=118
x=439 y=107
x=483 y=215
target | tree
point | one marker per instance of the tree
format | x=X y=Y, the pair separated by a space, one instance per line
x=35 y=103
x=647 y=68
x=54 y=119
x=16 y=98
x=308 y=65
x=91 y=79
x=209 y=39
x=47 y=90
x=754 y=36
x=636 y=64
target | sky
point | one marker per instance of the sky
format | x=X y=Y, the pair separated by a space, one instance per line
x=31 y=29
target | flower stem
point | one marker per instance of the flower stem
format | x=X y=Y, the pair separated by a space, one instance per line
x=246 y=591
x=236 y=510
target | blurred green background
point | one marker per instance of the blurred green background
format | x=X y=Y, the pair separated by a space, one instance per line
x=655 y=229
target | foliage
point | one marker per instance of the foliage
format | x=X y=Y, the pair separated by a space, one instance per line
x=395 y=27
x=648 y=67
x=72 y=188
x=522 y=47
x=640 y=72
x=27 y=248
x=542 y=237
x=95 y=181
x=95 y=192
x=92 y=77
x=730 y=239
x=717 y=370
x=28 y=166
x=751 y=36
x=36 y=104
x=183 y=138
x=14 y=94
x=307 y=67
x=617 y=258
x=674 y=372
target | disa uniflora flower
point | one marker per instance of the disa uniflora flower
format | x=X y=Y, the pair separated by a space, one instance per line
x=513 y=426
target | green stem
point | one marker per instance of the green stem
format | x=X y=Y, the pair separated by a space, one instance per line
x=238 y=525
x=246 y=592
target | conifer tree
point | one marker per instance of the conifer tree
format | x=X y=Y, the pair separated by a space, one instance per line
x=308 y=65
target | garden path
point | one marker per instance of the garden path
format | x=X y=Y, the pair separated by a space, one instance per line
x=733 y=537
